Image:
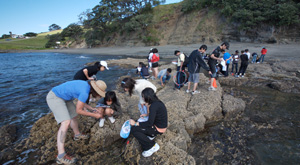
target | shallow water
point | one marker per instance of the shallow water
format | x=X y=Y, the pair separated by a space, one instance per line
x=26 y=78
x=267 y=133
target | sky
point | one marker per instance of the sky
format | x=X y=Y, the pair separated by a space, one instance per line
x=22 y=16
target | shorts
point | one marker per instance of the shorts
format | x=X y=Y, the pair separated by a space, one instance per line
x=63 y=110
x=194 y=77
x=212 y=67
x=155 y=65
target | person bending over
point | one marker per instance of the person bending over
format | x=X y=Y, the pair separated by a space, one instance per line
x=145 y=132
x=87 y=73
x=164 y=75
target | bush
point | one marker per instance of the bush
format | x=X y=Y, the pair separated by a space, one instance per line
x=30 y=34
x=53 y=39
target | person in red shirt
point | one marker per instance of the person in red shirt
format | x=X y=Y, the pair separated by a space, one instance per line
x=263 y=53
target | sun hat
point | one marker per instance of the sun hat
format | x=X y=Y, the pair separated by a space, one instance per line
x=104 y=63
x=99 y=86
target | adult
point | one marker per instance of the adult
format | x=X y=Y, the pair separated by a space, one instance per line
x=137 y=86
x=263 y=54
x=154 y=58
x=235 y=62
x=226 y=58
x=254 y=57
x=244 y=64
x=164 y=75
x=212 y=62
x=87 y=73
x=248 y=53
x=180 y=60
x=149 y=62
x=195 y=62
x=60 y=102
x=157 y=124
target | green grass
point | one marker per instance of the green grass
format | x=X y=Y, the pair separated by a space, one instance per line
x=35 y=43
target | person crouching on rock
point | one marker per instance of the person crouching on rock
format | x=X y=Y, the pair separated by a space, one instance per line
x=109 y=106
x=157 y=123
x=137 y=86
x=60 y=102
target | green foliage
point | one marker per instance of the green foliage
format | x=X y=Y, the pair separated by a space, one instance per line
x=73 y=31
x=53 y=39
x=54 y=27
x=30 y=34
x=93 y=37
x=251 y=13
x=5 y=36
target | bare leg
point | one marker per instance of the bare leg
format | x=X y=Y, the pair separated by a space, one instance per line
x=109 y=112
x=74 y=126
x=212 y=82
x=195 y=86
x=61 y=136
x=189 y=85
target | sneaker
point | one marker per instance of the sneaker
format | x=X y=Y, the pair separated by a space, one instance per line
x=112 y=119
x=151 y=138
x=151 y=150
x=101 y=122
x=187 y=91
x=65 y=160
x=186 y=84
x=242 y=75
x=81 y=136
x=195 y=92
x=212 y=88
x=237 y=76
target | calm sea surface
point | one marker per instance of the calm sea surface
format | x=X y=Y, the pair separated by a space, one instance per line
x=26 y=78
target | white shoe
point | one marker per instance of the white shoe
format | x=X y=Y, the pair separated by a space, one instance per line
x=187 y=91
x=112 y=119
x=151 y=138
x=212 y=88
x=101 y=122
x=186 y=84
x=151 y=150
x=195 y=92
x=242 y=75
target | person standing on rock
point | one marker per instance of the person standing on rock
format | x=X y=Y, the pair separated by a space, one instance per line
x=263 y=54
x=154 y=58
x=248 y=53
x=227 y=58
x=87 y=73
x=212 y=62
x=235 y=62
x=244 y=64
x=254 y=57
x=157 y=124
x=195 y=62
x=60 y=102
x=137 y=86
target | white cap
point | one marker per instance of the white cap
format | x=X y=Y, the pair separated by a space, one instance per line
x=104 y=63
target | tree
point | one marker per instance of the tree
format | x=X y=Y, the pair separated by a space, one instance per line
x=54 y=27
x=53 y=39
x=73 y=31
x=30 y=34
x=5 y=36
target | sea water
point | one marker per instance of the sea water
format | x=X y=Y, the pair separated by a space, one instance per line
x=26 y=78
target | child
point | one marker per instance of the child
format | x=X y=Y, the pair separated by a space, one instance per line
x=164 y=75
x=109 y=106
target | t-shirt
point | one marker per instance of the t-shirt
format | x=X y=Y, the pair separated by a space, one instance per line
x=196 y=61
x=216 y=53
x=92 y=70
x=158 y=116
x=235 y=58
x=162 y=73
x=140 y=85
x=180 y=59
x=244 y=58
x=248 y=54
x=226 y=56
x=76 y=89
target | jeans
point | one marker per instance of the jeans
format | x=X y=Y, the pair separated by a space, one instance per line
x=235 y=65
x=166 y=77
x=262 y=57
x=254 y=59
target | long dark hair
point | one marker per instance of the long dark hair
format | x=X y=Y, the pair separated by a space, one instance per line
x=149 y=95
x=128 y=83
x=110 y=95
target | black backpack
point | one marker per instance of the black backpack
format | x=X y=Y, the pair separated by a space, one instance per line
x=186 y=60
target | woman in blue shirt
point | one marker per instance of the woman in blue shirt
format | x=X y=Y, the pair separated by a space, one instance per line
x=60 y=101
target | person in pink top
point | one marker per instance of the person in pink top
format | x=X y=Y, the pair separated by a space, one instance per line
x=263 y=53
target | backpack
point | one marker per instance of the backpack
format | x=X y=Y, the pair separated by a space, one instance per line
x=180 y=79
x=155 y=57
x=186 y=60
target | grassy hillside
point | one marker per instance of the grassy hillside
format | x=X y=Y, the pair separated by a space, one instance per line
x=35 y=43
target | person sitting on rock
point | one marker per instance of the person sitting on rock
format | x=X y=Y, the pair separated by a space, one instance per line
x=87 y=73
x=60 y=102
x=137 y=86
x=157 y=124
x=109 y=106
x=164 y=75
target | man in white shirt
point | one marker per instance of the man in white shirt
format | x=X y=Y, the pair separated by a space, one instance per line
x=248 y=53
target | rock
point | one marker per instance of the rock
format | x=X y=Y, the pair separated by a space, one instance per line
x=8 y=135
x=232 y=106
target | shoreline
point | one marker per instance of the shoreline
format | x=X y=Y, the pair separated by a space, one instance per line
x=282 y=51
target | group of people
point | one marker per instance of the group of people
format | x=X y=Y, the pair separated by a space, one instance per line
x=60 y=99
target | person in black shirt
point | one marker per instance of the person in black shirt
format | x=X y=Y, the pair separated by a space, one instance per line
x=213 y=60
x=157 y=123
x=244 y=64
x=88 y=72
